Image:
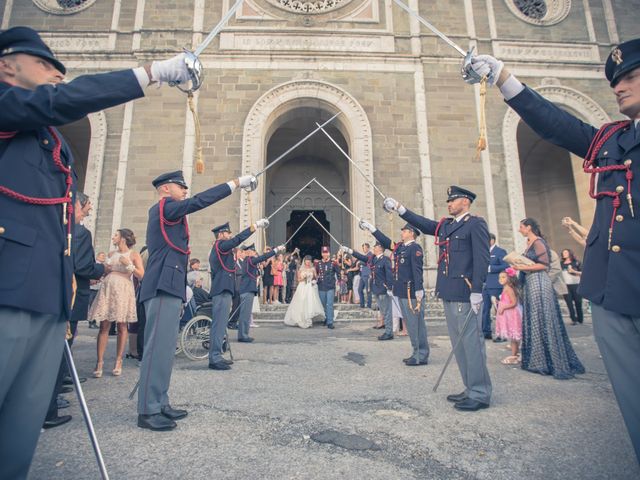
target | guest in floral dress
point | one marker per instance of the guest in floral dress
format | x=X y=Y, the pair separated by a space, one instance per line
x=546 y=348
x=116 y=300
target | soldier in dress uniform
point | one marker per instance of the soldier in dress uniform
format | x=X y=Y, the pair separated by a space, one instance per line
x=36 y=221
x=249 y=287
x=612 y=256
x=408 y=287
x=463 y=241
x=223 y=272
x=163 y=289
x=328 y=272
x=381 y=283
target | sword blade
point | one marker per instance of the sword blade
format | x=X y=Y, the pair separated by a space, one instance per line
x=415 y=15
x=323 y=228
x=453 y=351
x=291 y=198
x=298 y=229
x=338 y=200
x=216 y=30
x=357 y=167
x=295 y=146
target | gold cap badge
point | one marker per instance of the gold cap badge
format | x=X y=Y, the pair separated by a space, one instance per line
x=616 y=55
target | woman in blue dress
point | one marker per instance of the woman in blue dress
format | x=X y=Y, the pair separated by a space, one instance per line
x=546 y=348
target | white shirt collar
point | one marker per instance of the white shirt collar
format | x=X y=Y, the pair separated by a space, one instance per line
x=460 y=217
x=381 y=255
x=492 y=247
x=408 y=242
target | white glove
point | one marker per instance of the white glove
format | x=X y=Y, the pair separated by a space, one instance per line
x=346 y=249
x=389 y=293
x=419 y=295
x=487 y=66
x=171 y=70
x=364 y=225
x=314 y=282
x=280 y=249
x=392 y=205
x=476 y=301
x=262 y=223
x=248 y=182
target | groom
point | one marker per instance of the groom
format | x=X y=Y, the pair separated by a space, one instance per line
x=328 y=272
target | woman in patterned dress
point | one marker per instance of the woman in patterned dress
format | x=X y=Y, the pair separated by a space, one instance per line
x=546 y=348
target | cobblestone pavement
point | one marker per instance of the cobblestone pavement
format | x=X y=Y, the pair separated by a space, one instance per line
x=322 y=404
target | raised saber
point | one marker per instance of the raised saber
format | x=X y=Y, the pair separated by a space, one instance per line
x=298 y=229
x=295 y=146
x=291 y=198
x=352 y=162
x=323 y=228
x=466 y=70
x=338 y=200
x=216 y=30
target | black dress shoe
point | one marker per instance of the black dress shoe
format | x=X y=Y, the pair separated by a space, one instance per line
x=62 y=403
x=470 y=405
x=157 y=422
x=412 y=362
x=219 y=366
x=385 y=337
x=173 y=413
x=69 y=381
x=457 y=397
x=405 y=360
x=246 y=340
x=499 y=340
x=228 y=362
x=66 y=390
x=487 y=336
x=330 y=326
x=56 y=421
x=232 y=326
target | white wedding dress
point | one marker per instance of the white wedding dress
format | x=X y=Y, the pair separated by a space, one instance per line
x=305 y=304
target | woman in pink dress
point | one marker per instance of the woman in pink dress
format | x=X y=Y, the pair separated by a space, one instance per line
x=509 y=316
x=277 y=267
x=116 y=300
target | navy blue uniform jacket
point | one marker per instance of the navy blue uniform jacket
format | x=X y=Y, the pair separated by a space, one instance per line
x=248 y=282
x=328 y=272
x=496 y=265
x=381 y=272
x=33 y=243
x=167 y=268
x=223 y=265
x=408 y=262
x=608 y=278
x=468 y=254
x=85 y=268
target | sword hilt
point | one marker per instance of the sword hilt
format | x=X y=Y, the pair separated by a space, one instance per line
x=196 y=73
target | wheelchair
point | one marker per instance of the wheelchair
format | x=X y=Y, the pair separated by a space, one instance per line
x=194 y=338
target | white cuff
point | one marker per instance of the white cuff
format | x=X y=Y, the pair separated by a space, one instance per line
x=232 y=185
x=511 y=87
x=142 y=77
x=402 y=210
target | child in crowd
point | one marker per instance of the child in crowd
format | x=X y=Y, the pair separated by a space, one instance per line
x=509 y=315
x=342 y=284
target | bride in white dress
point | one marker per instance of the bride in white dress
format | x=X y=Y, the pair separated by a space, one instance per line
x=305 y=304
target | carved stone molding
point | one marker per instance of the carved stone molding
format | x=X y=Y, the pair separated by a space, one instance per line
x=309 y=7
x=570 y=99
x=63 y=7
x=93 y=178
x=265 y=117
x=540 y=12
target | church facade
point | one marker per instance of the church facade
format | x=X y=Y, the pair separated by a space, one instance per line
x=405 y=119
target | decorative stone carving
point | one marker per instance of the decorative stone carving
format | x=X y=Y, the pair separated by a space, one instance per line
x=307 y=7
x=63 y=7
x=262 y=121
x=93 y=178
x=569 y=98
x=540 y=12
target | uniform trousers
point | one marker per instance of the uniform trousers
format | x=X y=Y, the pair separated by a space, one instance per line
x=471 y=355
x=31 y=347
x=618 y=338
x=63 y=371
x=161 y=335
x=220 y=310
x=384 y=302
x=326 y=297
x=417 y=329
x=244 y=318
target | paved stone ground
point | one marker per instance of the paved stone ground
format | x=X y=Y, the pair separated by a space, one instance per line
x=310 y=404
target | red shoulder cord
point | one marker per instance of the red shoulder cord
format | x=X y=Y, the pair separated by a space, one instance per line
x=164 y=221
x=218 y=253
x=395 y=260
x=589 y=166
x=444 y=245
x=67 y=205
x=246 y=269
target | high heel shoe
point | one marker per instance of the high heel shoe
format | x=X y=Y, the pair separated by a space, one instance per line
x=97 y=373
x=118 y=368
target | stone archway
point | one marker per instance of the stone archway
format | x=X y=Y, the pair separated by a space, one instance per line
x=272 y=110
x=567 y=98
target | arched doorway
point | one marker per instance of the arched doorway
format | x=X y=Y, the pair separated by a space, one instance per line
x=316 y=158
x=78 y=137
